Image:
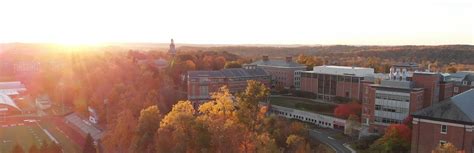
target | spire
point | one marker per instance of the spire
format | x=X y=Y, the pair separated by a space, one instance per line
x=172 y=50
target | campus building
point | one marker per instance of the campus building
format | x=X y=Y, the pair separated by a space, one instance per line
x=202 y=83
x=282 y=71
x=8 y=91
x=399 y=95
x=451 y=120
x=329 y=82
x=462 y=81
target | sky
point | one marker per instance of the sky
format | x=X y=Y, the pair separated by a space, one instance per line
x=327 y=22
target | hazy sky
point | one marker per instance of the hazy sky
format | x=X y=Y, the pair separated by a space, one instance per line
x=359 y=22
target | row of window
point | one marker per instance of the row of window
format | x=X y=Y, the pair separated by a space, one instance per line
x=302 y=118
x=387 y=120
x=391 y=109
x=392 y=97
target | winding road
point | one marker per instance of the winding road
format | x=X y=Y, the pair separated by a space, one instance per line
x=331 y=142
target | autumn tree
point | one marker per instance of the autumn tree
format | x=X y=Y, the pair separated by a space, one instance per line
x=297 y=144
x=89 y=146
x=345 y=110
x=232 y=64
x=33 y=149
x=219 y=116
x=148 y=123
x=179 y=131
x=17 y=149
x=119 y=137
x=397 y=138
x=248 y=102
x=451 y=69
x=446 y=148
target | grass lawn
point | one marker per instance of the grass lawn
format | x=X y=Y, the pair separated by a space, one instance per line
x=66 y=143
x=32 y=134
x=303 y=104
x=26 y=136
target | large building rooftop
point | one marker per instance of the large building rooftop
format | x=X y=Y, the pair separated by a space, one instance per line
x=343 y=70
x=278 y=64
x=229 y=73
x=458 y=109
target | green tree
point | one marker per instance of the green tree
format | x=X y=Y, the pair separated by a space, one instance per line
x=89 y=146
x=17 y=149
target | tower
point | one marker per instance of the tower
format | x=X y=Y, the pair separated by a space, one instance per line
x=172 y=50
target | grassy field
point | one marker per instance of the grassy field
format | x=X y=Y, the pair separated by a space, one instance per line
x=26 y=136
x=32 y=134
x=303 y=104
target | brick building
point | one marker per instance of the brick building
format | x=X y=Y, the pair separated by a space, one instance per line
x=462 y=81
x=451 y=120
x=202 y=83
x=400 y=95
x=329 y=82
x=282 y=71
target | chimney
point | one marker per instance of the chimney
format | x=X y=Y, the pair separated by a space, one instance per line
x=289 y=59
x=265 y=58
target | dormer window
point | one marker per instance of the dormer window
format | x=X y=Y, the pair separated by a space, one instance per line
x=464 y=82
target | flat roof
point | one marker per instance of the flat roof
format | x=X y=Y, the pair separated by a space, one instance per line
x=343 y=67
x=229 y=73
x=342 y=70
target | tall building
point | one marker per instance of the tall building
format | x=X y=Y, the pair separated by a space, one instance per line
x=451 y=120
x=402 y=93
x=202 y=83
x=172 y=50
x=329 y=82
x=282 y=71
x=389 y=102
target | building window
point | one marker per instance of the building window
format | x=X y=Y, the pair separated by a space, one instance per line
x=442 y=142
x=444 y=129
x=456 y=89
x=464 y=82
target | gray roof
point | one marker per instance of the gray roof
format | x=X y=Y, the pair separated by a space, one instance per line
x=229 y=73
x=459 y=77
x=459 y=108
x=278 y=63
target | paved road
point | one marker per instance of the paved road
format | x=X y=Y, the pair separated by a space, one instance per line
x=324 y=138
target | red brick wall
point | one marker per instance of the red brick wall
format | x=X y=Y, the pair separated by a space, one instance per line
x=415 y=102
x=352 y=87
x=309 y=84
x=445 y=91
x=429 y=82
x=427 y=136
